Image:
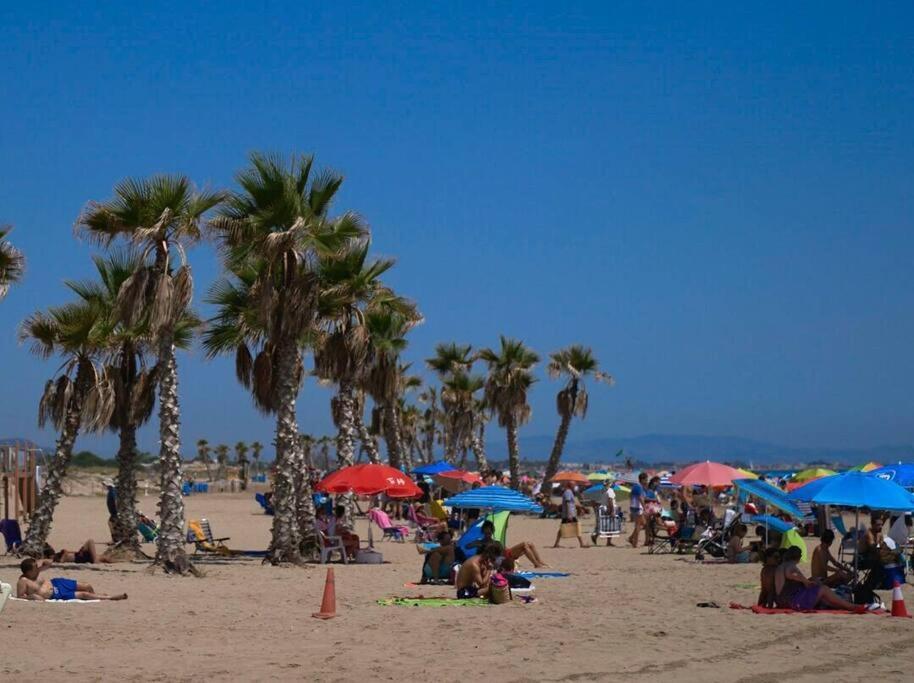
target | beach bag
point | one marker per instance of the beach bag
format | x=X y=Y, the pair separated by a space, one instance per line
x=499 y=590
x=570 y=530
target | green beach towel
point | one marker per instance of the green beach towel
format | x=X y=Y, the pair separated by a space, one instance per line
x=433 y=602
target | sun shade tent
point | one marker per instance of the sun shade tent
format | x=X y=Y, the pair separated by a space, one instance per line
x=494 y=498
x=433 y=468
x=769 y=495
x=368 y=480
x=712 y=474
x=474 y=533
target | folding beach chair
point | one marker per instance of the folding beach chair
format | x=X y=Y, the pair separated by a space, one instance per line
x=200 y=533
x=419 y=525
x=606 y=524
x=388 y=530
x=329 y=544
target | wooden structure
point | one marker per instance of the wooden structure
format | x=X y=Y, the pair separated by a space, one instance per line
x=18 y=485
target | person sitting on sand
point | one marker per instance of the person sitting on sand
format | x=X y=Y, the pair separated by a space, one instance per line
x=795 y=591
x=735 y=552
x=87 y=554
x=767 y=596
x=822 y=560
x=515 y=552
x=31 y=587
x=475 y=574
x=440 y=556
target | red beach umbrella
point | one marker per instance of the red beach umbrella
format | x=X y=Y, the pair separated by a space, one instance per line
x=368 y=480
x=460 y=475
x=713 y=474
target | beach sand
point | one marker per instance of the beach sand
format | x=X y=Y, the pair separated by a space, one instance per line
x=623 y=615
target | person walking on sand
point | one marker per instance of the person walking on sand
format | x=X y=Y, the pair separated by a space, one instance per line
x=636 y=508
x=569 y=515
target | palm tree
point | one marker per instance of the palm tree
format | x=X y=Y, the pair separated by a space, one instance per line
x=507 y=384
x=575 y=363
x=12 y=262
x=160 y=216
x=256 y=451
x=222 y=454
x=383 y=379
x=429 y=422
x=81 y=397
x=133 y=381
x=350 y=288
x=458 y=397
x=203 y=451
x=241 y=457
x=271 y=232
x=452 y=363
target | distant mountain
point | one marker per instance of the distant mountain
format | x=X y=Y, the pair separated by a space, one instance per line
x=675 y=448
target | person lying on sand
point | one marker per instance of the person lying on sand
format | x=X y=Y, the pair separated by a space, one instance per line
x=87 y=554
x=795 y=591
x=31 y=587
x=515 y=552
x=475 y=574
x=822 y=560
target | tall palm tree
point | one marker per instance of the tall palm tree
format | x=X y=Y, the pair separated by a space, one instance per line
x=12 y=262
x=133 y=380
x=452 y=363
x=241 y=457
x=256 y=452
x=429 y=396
x=458 y=397
x=574 y=363
x=160 y=216
x=383 y=379
x=81 y=397
x=350 y=288
x=203 y=451
x=507 y=384
x=271 y=232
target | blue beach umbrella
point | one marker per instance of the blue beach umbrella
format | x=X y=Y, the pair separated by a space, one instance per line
x=434 y=468
x=495 y=498
x=901 y=473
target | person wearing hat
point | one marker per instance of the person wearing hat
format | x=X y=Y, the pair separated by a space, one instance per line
x=111 y=500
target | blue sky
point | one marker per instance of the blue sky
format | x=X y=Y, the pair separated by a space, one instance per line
x=717 y=199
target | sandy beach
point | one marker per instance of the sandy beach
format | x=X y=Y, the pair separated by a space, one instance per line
x=623 y=615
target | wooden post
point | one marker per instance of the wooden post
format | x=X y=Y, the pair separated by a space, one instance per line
x=16 y=480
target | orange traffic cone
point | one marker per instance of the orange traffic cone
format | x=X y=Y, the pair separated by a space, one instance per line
x=328 y=604
x=898 y=606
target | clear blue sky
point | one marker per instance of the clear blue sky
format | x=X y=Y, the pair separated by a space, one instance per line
x=717 y=199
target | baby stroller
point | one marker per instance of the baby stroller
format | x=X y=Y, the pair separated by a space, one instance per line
x=714 y=540
x=607 y=524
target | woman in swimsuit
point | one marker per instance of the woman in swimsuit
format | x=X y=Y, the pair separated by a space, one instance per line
x=795 y=591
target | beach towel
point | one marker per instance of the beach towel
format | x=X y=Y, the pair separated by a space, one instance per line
x=758 y=609
x=54 y=602
x=433 y=602
x=542 y=575
x=6 y=591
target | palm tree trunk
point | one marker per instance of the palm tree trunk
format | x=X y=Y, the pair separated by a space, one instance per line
x=430 y=443
x=304 y=504
x=40 y=521
x=368 y=442
x=284 y=546
x=558 y=447
x=478 y=444
x=345 y=438
x=170 y=550
x=513 y=451
x=125 y=524
x=392 y=436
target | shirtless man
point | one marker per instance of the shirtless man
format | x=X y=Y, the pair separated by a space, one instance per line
x=768 y=593
x=31 y=587
x=822 y=560
x=473 y=577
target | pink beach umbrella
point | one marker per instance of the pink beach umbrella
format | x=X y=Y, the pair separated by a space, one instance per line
x=713 y=474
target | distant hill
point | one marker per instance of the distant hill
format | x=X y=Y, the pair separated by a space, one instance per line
x=676 y=448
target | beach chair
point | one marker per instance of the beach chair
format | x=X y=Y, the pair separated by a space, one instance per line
x=12 y=534
x=388 y=529
x=420 y=525
x=606 y=524
x=200 y=533
x=328 y=544
x=264 y=503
